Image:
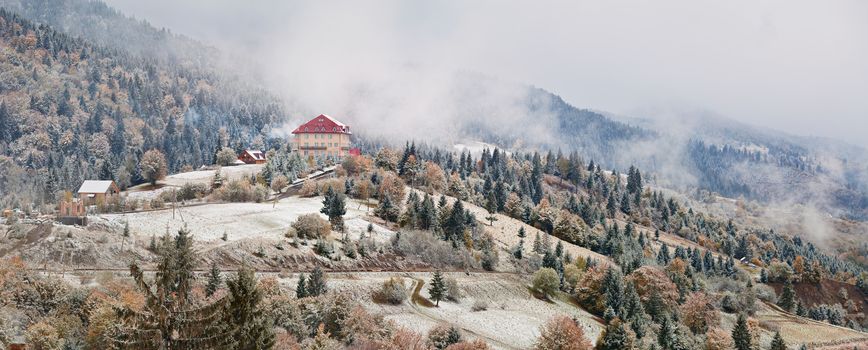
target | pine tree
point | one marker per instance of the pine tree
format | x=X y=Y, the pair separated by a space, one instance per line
x=521 y=232
x=537 y=244
x=455 y=223
x=316 y=286
x=741 y=338
x=386 y=210
x=252 y=330
x=778 y=342
x=301 y=287
x=214 y=280
x=614 y=337
x=787 y=299
x=334 y=206
x=437 y=290
x=613 y=290
x=518 y=252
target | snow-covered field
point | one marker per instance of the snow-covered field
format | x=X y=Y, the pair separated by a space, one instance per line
x=511 y=321
x=239 y=221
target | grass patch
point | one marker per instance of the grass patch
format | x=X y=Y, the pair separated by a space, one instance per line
x=417 y=298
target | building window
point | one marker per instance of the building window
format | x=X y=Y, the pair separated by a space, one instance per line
x=305 y=129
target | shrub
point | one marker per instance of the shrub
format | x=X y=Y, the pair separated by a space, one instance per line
x=191 y=191
x=477 y=344
x=546 y=281
x=562 y=333
x=392 y=292
x=311 y=226
x=43 y=336
x=157 y=203
x=278 y=183
x=453 y=292
x=308 y=189
x=430 y=249
x=443 y=335
x=239 y=191
x=479 y=305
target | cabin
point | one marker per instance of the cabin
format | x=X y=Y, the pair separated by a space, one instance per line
x=322 y=137
x=94 y=192
x=252 y=157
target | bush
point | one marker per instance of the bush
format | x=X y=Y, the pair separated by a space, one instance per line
x=311 y=226
x=191 y=191
x=479 y=305
x=157 y=203
x=477 y=344
x=562 y=333
x=279 y=183
x=443 y=335
x=239 y=191
x=546 y=281
x=308 y=189
x=453 y=293
x=436 y=252
x=391 y=292
x=43 y=336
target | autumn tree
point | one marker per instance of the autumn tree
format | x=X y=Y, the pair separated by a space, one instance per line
x=698 y=313
x=153 y=166
x=224 y=157
x=562 y=333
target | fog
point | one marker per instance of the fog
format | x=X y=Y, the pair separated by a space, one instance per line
x=797 y=66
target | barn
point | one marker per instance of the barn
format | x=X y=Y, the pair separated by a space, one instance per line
x=97 y=191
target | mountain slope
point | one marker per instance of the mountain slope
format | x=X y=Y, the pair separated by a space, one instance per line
x=72 y=110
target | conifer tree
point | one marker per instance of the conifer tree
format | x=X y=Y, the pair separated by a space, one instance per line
x=437 y=290
x=741 y=338
x=334 y=206
x=301 y=287
x=614 y=337
x=778 y=342
x=386 y=210
x=252 y=330
x=521 y=232
x=214 y=280
x=316 y=285
x=787 y=299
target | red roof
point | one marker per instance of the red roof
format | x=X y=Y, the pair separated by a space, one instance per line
x=323 y=124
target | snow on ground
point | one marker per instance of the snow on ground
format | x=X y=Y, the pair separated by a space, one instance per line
x=205 y=176
x=239 y=221
x=512 y=320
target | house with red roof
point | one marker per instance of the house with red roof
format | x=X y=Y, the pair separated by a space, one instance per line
x=322 y=137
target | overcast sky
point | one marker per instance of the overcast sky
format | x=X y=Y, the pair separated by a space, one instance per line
x=797 y=66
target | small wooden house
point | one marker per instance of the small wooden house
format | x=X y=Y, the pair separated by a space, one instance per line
x=92 y=192
x=252 y=157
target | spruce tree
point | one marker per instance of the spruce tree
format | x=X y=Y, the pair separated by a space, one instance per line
x=437 y=289
x=778 y=342
x=301 y=287
x=614 y=337
x=252 y=330
x=316 y=286
x=787 y=299
x=741 y=334
x=214 y=280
